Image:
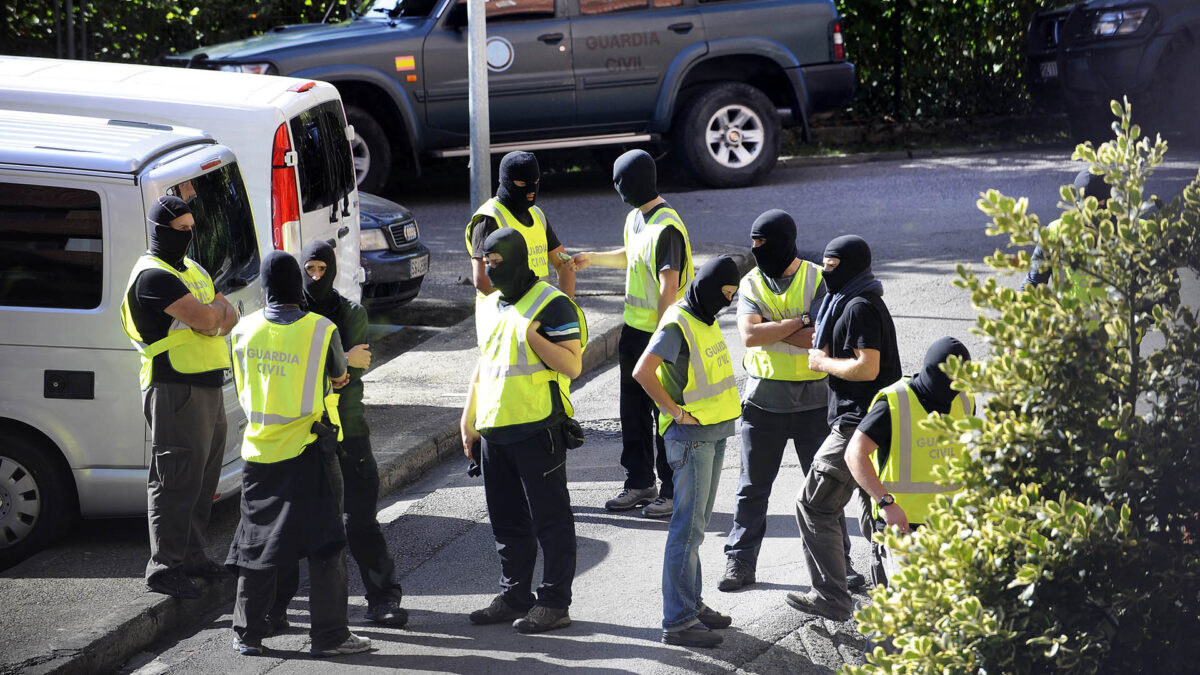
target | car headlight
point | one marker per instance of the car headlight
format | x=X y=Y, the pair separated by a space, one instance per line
x=1119 y=22
x=253 y=68
x=371 y=240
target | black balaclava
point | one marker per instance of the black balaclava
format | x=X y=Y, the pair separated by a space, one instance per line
x=319 y=294
x=166 y=243
x=1088 y=184
x=778 y=251
x=512 y=277
x=704 y=296
x=635 y=177
x=282 y=279
x=518 y=166
x=854 y=257
x=931 y=385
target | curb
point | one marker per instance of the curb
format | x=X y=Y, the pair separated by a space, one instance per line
x=798 y=161
x=143 y=620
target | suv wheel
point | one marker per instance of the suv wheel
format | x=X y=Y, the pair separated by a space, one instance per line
x=728 y=135
x=36 y=504
x=371 y=149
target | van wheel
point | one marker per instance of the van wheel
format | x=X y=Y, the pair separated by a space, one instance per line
x=37 y=504
x=371 y=149
x=728 y=135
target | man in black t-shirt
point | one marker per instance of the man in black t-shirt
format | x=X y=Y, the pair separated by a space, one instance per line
x=175 y=318
x=855 y=343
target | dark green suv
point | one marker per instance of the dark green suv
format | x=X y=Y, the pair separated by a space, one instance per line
x=713 y=80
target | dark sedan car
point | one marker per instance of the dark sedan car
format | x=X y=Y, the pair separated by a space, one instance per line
x=1089 y=53
x=393 y=257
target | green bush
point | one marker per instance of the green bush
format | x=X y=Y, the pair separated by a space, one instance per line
x=1073 y=546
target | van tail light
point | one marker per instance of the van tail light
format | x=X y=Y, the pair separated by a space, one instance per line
x=839 y=43
x=285 y=205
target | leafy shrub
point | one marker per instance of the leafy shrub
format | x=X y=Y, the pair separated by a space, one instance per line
x=1073 y=546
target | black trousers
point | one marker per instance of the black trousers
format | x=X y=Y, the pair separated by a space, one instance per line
x=263 y=596
x=529 y=505
x=360 y=475
x=642 y=449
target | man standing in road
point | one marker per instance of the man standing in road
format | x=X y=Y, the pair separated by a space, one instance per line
x=856 y=346
x=515 y=206
x=657 y=259
x=531 y=340
x=687 y=372
x=175 y=319
x=360 y=474
x=284 y=361
x=784 y=398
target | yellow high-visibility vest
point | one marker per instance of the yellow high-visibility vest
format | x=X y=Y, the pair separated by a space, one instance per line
x=908 y=474
x=711 y=393
x=641 y=275
x=535 y=234
x=188 y=351
x=514 y=383
x=279 y=371
x=780 y=360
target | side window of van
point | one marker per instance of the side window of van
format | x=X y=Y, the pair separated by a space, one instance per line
x=326 y=168
x=51 y=247
x=224 y=242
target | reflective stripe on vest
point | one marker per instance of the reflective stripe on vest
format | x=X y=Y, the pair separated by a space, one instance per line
x=710 y=394
x=189 y=352
x=513 y=386
x=908 y=474
x=780 y=360
x=641 y=277
x=535 y=234
x=279 y=370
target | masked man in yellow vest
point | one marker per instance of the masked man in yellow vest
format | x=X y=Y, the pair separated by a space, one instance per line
x=657 y=259
x=531 y=340
x=285 y=361
x=175 y=318
x=688 y=373
x=515 y=206
x=892 y=458
x=784 y=398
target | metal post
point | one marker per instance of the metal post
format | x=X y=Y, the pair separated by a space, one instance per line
x=58 y=30
x=477 y=104
x=70 y=29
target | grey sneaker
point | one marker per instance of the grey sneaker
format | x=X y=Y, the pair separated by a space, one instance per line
x=631 y=498
x=662 y=507
x=353 y=645
x=389 y=613
x=541 y=619
x=711 y=618
x=497 y=612
x=692 y=636
x=738 y=573
x=808 y=604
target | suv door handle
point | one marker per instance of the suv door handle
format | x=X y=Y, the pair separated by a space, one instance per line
x=681 y=28
x=550 y=38
x=343 y=231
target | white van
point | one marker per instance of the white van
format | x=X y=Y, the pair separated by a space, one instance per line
x=73 y=198
x=290 y=137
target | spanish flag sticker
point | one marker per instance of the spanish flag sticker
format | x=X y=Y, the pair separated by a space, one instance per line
x=405 y=63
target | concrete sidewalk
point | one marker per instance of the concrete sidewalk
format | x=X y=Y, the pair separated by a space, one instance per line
x=51 y=623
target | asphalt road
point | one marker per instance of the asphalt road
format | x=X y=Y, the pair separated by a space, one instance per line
x=920 y=218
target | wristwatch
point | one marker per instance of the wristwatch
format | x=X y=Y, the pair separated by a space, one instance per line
x=886 y=500
x=806 y=321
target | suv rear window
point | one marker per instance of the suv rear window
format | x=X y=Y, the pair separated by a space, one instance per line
x=224 y=242
x=51 y=247
x=326 y=168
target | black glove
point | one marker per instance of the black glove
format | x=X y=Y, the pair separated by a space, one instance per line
x=474 y=469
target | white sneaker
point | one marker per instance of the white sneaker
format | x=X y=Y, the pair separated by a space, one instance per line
x=662 y=507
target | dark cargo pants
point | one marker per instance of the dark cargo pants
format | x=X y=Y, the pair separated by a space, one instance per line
x=360 y=475
x=642 y=449
x=187 y=430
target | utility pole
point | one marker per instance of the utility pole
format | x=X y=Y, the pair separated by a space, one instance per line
x=479 y=118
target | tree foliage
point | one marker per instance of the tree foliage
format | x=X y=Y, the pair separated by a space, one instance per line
x=1073 y=546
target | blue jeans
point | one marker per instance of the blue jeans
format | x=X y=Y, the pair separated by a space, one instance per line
x=697 y=470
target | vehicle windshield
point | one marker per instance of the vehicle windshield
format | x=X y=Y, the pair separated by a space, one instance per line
x=407 y=9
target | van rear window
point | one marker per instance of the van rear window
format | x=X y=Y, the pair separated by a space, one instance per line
x=51 y=247
x=224 y=243
x=326 y=164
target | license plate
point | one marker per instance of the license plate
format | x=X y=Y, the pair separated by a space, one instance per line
x=1049 y=70
x=418 y=267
